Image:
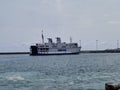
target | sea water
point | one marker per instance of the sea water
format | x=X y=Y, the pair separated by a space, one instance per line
x=65 y=72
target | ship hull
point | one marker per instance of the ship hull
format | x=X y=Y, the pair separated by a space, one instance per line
x=35 y=52
x=46 y=54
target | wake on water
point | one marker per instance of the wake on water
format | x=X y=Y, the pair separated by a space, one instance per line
x=15 y=78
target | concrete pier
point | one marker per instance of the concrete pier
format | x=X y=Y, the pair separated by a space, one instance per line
x=112 y=86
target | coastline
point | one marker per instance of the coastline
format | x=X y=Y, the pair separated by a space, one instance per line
x=10 y=53
x=82 y=51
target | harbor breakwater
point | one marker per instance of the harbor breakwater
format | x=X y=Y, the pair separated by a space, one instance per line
x=100 y=51
x=10 y=53
x=82 y=51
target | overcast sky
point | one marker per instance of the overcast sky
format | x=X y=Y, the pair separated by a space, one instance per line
x=21 y=22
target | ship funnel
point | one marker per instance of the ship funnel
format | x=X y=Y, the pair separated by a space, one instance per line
x=58 y=40
x=42 y=37
x=50 y=40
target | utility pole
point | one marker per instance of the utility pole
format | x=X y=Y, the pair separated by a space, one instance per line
x=96 y=45
x=117 y=44
x=80 y=42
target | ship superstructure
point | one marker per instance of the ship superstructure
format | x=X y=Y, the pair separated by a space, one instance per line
x=51 y=48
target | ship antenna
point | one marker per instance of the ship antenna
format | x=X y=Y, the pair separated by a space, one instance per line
x=80 y=42
x=70 y=39
x=42 y=37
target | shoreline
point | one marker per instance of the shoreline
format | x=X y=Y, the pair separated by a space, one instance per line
x=10 y=53
x=82 y=51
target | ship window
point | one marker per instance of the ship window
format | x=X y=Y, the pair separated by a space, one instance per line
x=43 y=49
x=61 y=49
x=63 y=46
x=75 y=44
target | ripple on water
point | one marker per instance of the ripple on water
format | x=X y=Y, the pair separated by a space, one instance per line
x=72 y=72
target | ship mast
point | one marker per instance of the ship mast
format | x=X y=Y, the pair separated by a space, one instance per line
x=42 y=37
x=70 y=39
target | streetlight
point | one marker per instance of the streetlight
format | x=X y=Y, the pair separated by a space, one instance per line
x=117 y=44
x=80 y=42
x=96 y=45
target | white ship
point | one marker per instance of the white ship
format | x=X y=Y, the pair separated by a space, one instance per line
x=51 y=48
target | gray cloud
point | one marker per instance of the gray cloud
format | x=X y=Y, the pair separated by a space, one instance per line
x=86 y=20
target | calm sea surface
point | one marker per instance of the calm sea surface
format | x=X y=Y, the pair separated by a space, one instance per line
x=67 y=72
